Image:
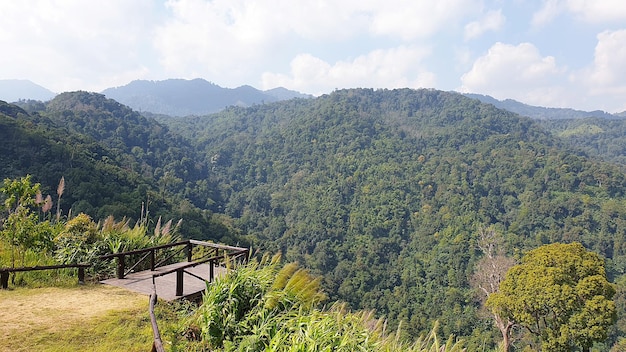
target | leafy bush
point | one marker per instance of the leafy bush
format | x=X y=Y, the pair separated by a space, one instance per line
x=83 y=241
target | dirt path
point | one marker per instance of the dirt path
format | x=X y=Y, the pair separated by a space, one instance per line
x=26 y=311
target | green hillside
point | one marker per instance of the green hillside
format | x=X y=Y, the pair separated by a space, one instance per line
x=383 y=191
x=114 y=161
x=598 y=137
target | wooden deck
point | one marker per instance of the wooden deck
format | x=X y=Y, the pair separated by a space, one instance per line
x=141 y=282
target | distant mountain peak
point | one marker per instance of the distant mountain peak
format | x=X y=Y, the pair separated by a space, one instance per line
x=539 y=112
x=181 y=97
x=12 y=90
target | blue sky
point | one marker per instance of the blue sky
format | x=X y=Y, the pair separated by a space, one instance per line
x=556 y=53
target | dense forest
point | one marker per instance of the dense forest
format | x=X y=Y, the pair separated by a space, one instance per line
x=597 y=137
x=382 y=192
x=115 y=162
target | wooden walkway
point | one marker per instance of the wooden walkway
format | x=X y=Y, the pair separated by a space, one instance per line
x=141 y=282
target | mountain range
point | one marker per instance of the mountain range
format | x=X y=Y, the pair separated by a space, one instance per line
x=541 y=113
x=382 y=192
x=178 y=97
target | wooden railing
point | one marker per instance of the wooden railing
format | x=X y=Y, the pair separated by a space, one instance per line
x=121 y=270
x=157 y=344
x=187 y=246
x=233 y=254
x=4 y=272
x=214 y=258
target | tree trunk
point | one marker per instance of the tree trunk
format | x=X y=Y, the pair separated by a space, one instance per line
x=506 y=343
x=505 y=329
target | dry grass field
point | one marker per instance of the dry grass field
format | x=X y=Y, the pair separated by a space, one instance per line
x=85 y=318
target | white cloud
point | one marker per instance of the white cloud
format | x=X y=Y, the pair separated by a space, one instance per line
x=76 y=44
x=598 y=11
x=411 y=19
x=610 y=55
x=605 y=79
x=549 y=10
x=393 y=68
x=591 y=11
x=73 y=44
x=492 y=21
x=230 y=40
x=517 y=72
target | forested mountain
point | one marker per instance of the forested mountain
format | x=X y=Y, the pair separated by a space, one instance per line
x=383 y=191
x=179 y=97
x=598 y=137
x=538 y=112
x=597 y=133
x=114 y=161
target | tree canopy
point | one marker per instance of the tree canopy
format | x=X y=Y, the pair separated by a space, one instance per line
x=559 y=293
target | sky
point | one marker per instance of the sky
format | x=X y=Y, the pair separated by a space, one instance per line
x=553 y=53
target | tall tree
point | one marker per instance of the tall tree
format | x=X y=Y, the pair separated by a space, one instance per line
x=489 y=272
x=560 y=294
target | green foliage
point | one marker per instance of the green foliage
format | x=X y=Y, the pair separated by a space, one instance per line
x=19 y=193
x=114 y=162
x=381 y=191
x=598 y=137
x=82 y=241
x=560 y=293
x=259 y=307
x=21 y=229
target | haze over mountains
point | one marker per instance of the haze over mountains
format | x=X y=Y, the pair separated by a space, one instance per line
x=174 y=97
x=538 y=112
x=16 y=89
x=180 y=97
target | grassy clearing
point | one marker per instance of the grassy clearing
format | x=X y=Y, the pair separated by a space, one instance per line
x=83 y=318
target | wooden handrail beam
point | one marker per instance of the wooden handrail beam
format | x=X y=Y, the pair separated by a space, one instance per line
x=217 y=245
x=4 y=272
x=157 y=344
x=190 y=265
x=139 y=251
x=181 y=243
x=44 y=267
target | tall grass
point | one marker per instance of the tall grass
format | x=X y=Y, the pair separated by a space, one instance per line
x=264 y=306
x=81 y=241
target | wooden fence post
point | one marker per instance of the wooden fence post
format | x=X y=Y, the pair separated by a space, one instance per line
x=189 y=251
x=179 y=282
x=81 y=275
x=152 y=259
x=4 y=279
x=120 y=266
x=211 y=274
